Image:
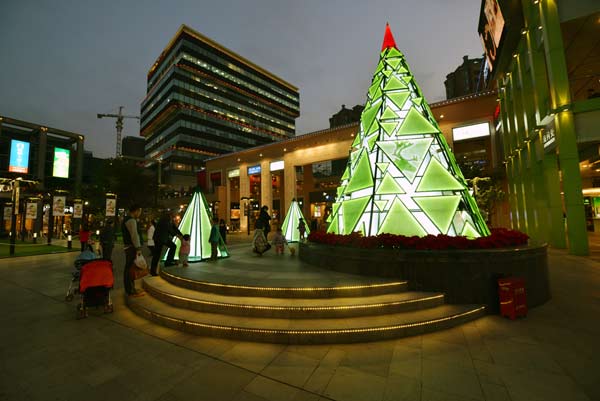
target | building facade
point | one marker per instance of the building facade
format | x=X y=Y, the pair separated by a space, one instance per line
x=48 y=162
x=309 y=167
x=544 y=57
x=204 y=100
x=346 y=116
x=133 y=146
x=466 y=79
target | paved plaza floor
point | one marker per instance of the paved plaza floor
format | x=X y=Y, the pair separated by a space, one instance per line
x=45 y=354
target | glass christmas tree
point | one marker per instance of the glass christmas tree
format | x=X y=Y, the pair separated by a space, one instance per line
x=196 y=222
x=290 y=224
x=402 y=177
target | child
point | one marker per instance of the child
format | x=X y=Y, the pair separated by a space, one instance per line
x=279 y=241
x=184 y=250
x=302 y=229
x=214 y=239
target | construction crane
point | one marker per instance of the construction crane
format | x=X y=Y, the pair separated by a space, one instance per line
x=119 y=125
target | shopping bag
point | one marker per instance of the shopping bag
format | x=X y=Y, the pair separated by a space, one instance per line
x=140 y=262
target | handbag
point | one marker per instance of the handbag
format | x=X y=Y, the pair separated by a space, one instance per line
x=137 y=273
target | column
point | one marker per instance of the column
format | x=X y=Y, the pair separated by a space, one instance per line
x=79 y=166
x=41 y=160
x=266 y=187
x=289 y=181
x=565 y=128
x=244 y=192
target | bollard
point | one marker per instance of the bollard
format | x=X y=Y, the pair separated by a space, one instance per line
x=69 y=242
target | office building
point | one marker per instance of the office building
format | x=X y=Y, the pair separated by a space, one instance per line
x=204 y=100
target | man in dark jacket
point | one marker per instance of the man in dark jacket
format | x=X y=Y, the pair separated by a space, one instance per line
x=107 y=240
x=163 y=236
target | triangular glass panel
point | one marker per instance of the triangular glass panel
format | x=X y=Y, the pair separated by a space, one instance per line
x=469 y=231
x=394 y=53
x=368 y=116
x=437 y=178
x=440 y=209
x=389 y=127
x=380 y=67
x=393 y=84
x=415 y=123
x=402 y=70
x=382 y=166
x=340 y=190
x=381 y=204
x=393 y=62
x=357 y=140
x=417 y=100
x=387 y=73
x=389 y=186
x=407 y=155
x=335 y=207
x=399 y=98
x=374 y=128
x=388 y=114
x=346 y=173
x=362 y=177
x=371 y=140
x=352 y=210
x=400 y=220
x=333 y=226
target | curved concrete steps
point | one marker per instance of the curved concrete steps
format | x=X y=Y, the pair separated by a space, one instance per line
x=260 y=306
x=305 y=331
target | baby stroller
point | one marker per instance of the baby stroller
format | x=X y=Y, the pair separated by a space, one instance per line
x=86 y=256
x=95 y=282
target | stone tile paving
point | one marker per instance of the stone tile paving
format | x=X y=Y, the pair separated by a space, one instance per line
x=45 y=354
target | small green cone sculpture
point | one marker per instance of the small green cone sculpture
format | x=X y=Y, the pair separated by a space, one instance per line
x=402 y=177
x=290 y=224
x=196 y=222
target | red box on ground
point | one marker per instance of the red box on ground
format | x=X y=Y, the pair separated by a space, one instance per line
x=513 y=298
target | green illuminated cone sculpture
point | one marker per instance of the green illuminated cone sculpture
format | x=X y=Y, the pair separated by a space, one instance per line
x=402 y=177
x=196 y=222
x=290 y=224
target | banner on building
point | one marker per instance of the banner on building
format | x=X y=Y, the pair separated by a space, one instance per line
x=58 y=205
x=31 y=212
x=77 y=210
x=61 y=163
x=7 y=212
x=111 y=207
x=19 y=157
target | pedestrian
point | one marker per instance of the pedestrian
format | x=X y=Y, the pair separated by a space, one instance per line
x=163 y=236
x=132 y=245
x=184 y=250
x=149 y=236
x=107 y=239
x=302 y=229
x=260 y=243
x=214 y=238
x=279 y=241
x=223 y=230
x=264 y=218
x=84 y=237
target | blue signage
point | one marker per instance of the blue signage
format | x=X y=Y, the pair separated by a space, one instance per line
x=19 y=156
x=254 y=169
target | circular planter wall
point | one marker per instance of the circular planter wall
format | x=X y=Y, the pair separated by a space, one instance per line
x=465 y=276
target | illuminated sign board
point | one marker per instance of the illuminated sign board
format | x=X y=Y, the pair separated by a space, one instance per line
x=233 y=173
x=19 y=157
x=470 y=131
x=61 y=163
x=275 y=166
x=491 y=26
x=254 y=169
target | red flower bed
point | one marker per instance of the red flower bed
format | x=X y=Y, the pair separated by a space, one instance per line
x=500 y=238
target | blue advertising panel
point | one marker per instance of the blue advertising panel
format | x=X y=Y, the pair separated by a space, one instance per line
x=19 y=156
x=254 y=169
